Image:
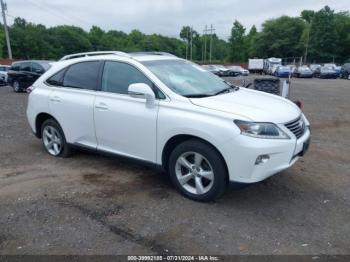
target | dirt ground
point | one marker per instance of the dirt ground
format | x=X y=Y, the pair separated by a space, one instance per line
x=92 y=204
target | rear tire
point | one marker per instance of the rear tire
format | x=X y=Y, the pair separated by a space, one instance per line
x=54 y=139
x=16 y=86
x=198 y=171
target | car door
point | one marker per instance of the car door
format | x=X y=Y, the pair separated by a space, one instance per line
x=124 y=124
x=72 y=100
x=24 y=76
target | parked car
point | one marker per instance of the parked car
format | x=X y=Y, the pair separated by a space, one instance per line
x=313 y=67
x=169 y=112
x=217 y=70
x=282 y=71
x=325 y=72
x=3 y=74
x=238 y=71
x=24 y=73
x=303 y=71
x=345 y=71
x=334 y=67
x=224 y=71
x=338 y=70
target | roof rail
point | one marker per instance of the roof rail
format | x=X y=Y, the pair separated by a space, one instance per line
x=152 y=53
x=78 y=55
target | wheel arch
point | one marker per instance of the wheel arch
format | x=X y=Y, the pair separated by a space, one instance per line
x=39 y=120
x=180 y=138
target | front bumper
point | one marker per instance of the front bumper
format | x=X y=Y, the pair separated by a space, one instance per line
x=328 y=76
x=242 y=152
x=306 y=75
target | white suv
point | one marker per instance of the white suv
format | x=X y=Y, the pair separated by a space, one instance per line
x=169 y=112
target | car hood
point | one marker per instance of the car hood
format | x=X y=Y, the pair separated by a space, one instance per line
x=253 y=105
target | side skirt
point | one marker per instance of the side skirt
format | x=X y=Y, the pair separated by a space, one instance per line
x=137 y=161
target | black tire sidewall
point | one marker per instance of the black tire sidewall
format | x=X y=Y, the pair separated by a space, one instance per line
x=216 y=161
x=66 y=151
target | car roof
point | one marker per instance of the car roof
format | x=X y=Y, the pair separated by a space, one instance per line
x=117 y=55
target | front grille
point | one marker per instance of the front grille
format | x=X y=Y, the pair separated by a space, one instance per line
x=297 y=127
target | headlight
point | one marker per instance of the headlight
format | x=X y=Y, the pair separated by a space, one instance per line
x=261 y=130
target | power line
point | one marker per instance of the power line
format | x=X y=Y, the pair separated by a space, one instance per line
x=59 y=14
x=3 y=8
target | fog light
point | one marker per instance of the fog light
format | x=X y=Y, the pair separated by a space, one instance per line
x=262 y=159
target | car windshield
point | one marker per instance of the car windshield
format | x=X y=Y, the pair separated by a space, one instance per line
x=186 y=79
x=284 y=68
x=326 y=69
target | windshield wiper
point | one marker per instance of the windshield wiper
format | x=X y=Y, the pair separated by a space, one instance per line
x=197 y=95
x=229 y=89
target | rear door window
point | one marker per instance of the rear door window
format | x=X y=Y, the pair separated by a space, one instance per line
x=25 y=66
x=82 y=75
x=37 y=68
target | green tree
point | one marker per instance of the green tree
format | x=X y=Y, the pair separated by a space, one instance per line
x=323 y=36
x=281 y=37
x=251 y=42
x=237 y=47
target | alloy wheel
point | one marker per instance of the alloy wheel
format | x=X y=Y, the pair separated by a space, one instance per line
x=194 y=173
x=52 y=140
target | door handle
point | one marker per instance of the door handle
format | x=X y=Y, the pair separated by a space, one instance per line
x=55 y=99
x=102 y=106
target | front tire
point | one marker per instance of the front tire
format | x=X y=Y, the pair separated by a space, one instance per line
x=198 y=171
x=54 y=140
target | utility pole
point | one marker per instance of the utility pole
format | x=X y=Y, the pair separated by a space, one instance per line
x=191 y=43
x=3 y=9
x=307 y=45
x=187 y=40
x=205 y=42
x=210 y=31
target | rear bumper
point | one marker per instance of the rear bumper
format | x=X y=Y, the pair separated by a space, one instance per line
x=282 y=74
x=242 y=152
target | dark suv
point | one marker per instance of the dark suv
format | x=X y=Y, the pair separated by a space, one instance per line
x=345 y=71
x=24 y=73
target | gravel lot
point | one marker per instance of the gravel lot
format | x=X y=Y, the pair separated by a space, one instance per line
x=91 y=204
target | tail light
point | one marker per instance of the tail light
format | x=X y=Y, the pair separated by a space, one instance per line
x=30 y=89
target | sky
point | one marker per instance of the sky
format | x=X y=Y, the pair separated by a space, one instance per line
x=164 y=17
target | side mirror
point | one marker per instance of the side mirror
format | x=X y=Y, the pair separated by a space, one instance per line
x=141 y=90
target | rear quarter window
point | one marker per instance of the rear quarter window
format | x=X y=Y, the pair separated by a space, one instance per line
x=56 y=79
x=82 y=75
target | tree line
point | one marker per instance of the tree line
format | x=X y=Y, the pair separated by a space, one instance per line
x=320 y=36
